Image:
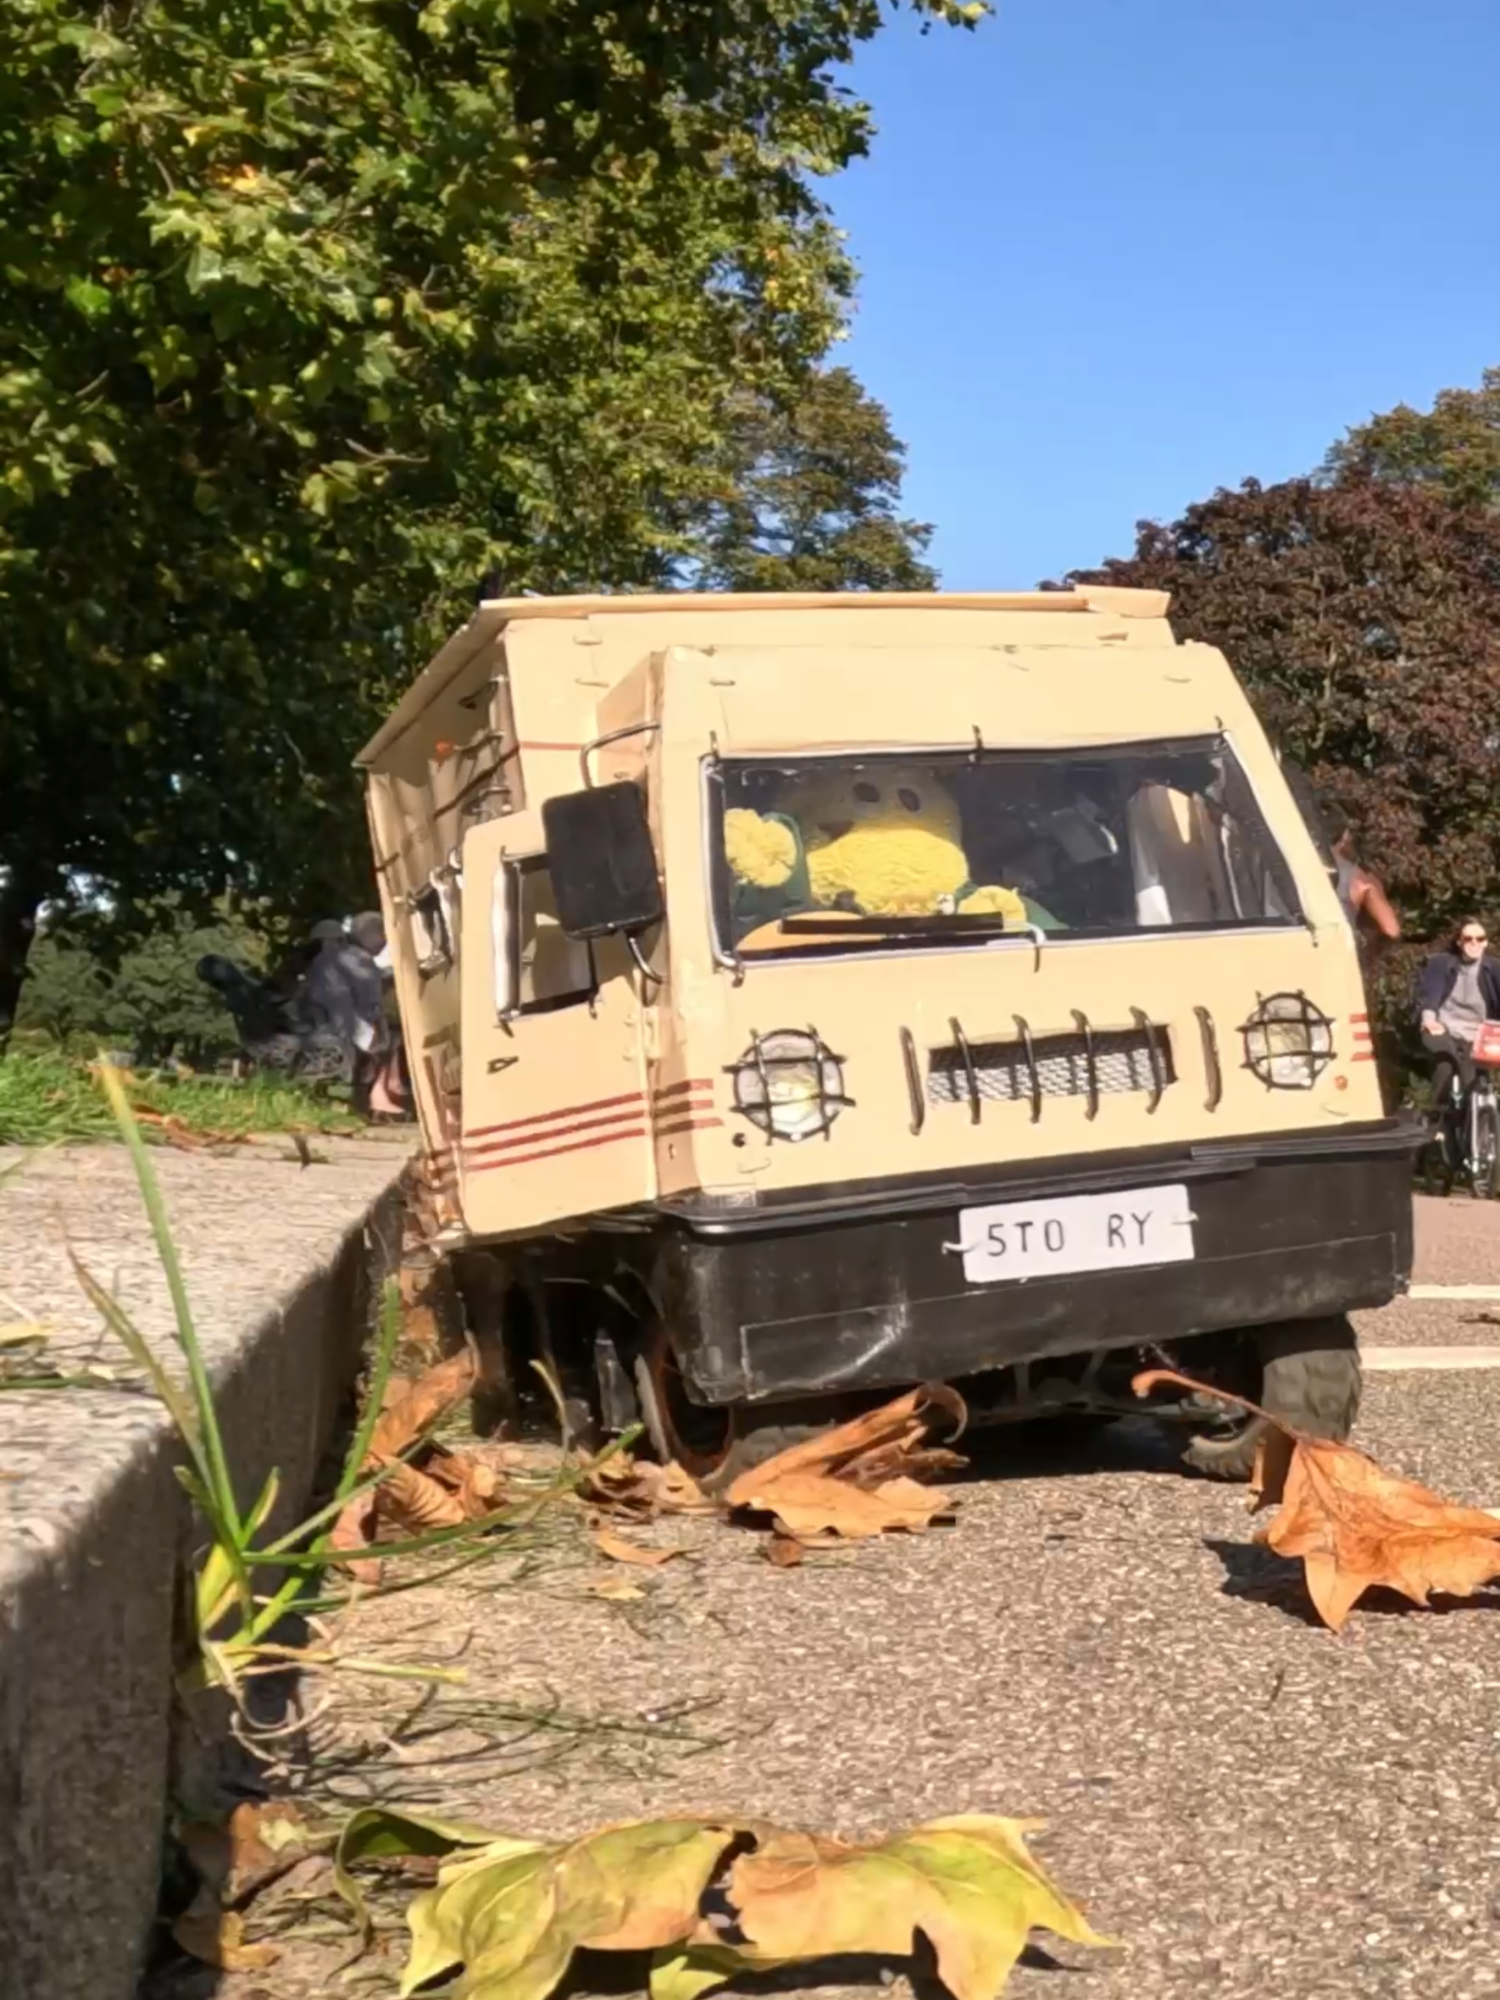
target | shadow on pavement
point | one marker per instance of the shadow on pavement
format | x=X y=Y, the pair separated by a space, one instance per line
x=1259 y=1574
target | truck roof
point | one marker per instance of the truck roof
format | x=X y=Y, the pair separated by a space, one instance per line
x=493 y=614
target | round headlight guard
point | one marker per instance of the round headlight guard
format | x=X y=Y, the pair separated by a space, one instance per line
x=1288 y=1042
x=789 y=1085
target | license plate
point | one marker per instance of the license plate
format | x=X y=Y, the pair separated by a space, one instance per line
x=1078 y=1232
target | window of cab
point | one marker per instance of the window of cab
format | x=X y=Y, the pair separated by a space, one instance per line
x=837 y=853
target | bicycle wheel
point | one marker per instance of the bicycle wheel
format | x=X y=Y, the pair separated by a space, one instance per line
x=1484 y=1146
x=1436 y=1161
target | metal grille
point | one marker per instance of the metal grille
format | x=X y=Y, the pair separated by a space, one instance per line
x=1001 y=1073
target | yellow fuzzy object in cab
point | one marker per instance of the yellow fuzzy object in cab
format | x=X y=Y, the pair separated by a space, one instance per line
x=890 y=843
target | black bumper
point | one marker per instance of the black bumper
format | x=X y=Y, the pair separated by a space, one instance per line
x=860 y=1289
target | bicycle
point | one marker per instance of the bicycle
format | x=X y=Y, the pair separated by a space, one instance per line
x=1467 y=1139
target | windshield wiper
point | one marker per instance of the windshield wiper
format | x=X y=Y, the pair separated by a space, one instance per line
x=837 y=923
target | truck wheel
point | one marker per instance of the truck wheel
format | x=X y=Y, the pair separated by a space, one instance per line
x=1310 y=1377
x=714 y=1445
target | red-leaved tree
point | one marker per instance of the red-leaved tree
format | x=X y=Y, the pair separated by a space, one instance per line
x=1363 y=617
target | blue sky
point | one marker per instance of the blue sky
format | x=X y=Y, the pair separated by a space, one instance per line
x=1117 y=253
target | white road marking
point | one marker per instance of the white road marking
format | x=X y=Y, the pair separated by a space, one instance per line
x=1454 y=1292
x=1396 y=1360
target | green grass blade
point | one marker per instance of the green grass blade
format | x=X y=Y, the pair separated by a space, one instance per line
x=177 y=1405
x=387 y=1337
x=187 y=1333
x=434 y=1538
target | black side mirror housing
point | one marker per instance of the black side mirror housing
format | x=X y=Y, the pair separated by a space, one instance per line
x=602 y=862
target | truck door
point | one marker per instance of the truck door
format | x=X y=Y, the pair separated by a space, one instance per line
x=556 y=1120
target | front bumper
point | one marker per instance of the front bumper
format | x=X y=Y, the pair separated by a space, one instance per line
x=860 y=1288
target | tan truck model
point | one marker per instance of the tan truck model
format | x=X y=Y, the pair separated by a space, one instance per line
x=811 y=996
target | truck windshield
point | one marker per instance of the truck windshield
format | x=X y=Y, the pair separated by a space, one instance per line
x=855 y=852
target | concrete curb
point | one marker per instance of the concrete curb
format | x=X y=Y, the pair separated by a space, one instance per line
x=94 y=1527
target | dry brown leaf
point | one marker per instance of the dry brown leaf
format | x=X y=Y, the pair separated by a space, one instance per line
x=177 y=1132
x=616 y=1589
x=856 y=1480
x=414 y=1281
x=641 y=1490
x=256 y=1844
x=420 y=1329
x=677 y=1492
x=447 y=1490
x=217 y=1937
x=309 y=1879
x=889 y=1438
x=477 y=1487
x=617 y=1549
x=784 y=1551
x=897 y=1428
x=416 y=1503
x=353 y=1532
x=1356 y=1526
x=425 y=1401
x=808 y=1503
x=896 y=1461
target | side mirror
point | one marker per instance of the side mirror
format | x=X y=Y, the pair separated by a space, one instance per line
x=602 y=862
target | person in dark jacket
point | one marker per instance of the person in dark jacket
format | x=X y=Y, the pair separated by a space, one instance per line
x=275 y=1033
x=343 y=992
x=1458 y=990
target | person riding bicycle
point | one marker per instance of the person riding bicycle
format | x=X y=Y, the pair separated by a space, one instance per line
x=1458 y=990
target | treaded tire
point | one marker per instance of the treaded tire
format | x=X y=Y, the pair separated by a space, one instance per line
x=746 y=1444
x=1310 y=1377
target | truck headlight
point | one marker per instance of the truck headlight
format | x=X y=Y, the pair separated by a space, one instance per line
x=1288 y=1042
x=789 y=1085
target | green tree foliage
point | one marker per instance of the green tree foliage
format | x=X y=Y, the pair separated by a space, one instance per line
x=812 y=500
x=312 y=313
x=145 y=997
x=1363 y=616
x=1454 y=447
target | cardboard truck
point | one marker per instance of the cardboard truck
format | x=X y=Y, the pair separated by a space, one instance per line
x=807 y=996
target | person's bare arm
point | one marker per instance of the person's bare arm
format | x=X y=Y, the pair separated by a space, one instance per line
x=1371 y=901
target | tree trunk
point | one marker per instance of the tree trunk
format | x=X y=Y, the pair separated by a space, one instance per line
x=22 y=893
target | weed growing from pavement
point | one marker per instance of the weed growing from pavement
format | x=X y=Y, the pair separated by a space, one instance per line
x=237 y=1619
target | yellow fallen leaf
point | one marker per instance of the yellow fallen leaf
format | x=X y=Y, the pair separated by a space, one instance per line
x=515 y=1914
x=969 y=1885
x=23 y=1333
x=617 y=1549
x=512 y=1913
x=616 y=1589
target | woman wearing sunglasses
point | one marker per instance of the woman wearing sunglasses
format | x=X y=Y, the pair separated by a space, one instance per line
x=1457 y=992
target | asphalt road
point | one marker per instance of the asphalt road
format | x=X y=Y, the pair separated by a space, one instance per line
x=1257 y=1809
